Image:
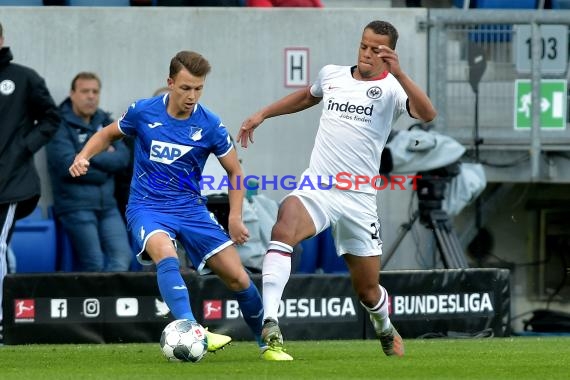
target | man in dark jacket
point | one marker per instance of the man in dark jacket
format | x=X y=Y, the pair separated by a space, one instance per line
x=85 y=206
x=28 y=119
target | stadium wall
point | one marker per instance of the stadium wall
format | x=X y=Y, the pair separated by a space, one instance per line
x=130 y=48
x=126 y=307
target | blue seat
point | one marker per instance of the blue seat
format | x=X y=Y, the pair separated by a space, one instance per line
x=309 y=261
x=319 y=253
x=22 y=3
x=498 y=4
x=497 y=33
x=506 y=4
x=34 y=244
x=330 y=262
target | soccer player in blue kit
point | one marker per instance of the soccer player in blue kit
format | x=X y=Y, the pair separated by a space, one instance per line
x=174 y=135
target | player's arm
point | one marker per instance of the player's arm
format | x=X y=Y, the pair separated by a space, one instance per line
x=230 y=163
x=99 y=142
x=294 y=102
x=420 y=105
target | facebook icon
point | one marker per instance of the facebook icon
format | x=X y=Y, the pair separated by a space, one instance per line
x=59 y=308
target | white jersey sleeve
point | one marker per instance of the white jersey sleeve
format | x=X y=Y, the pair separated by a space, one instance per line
x=316 y=89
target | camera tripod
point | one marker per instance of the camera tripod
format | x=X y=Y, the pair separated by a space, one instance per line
x=448 y=243
x=430 y=190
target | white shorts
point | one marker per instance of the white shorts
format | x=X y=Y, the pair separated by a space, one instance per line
x=352 y=216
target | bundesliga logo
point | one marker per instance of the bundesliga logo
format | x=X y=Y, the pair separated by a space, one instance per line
x=212 y=309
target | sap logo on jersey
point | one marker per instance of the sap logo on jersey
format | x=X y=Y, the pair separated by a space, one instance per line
x=167 y=153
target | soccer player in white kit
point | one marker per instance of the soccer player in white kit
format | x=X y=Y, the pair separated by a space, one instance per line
x=360 y=105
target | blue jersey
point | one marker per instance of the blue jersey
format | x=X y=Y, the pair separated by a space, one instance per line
x=170 y=154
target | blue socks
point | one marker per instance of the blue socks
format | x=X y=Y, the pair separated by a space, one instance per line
x=173 y=288
x=251 y=308
x=174 y=292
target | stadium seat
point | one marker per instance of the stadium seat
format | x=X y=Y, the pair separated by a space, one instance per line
x=308 y=262
x=330 y=262
x=498 y=33
x=34 y=244
x=506 y=4
x=560 y=4
x=319 y=254
x=22 y=3
x=461 y=4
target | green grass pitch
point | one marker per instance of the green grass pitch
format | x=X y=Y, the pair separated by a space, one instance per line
x=517 y=358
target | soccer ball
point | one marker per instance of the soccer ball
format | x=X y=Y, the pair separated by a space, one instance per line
x=184 y=340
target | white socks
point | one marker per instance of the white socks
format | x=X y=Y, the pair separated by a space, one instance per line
x=379 y=313
x=275 y=274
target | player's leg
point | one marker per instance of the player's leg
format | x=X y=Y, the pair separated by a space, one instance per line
x=160 y=248
x=294 y=224
x=227 y=265
x=364 y=275
x=154 y=242
x=356 y=235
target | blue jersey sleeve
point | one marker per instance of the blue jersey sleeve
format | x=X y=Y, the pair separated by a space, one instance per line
x=128 y=121
x=222 y=141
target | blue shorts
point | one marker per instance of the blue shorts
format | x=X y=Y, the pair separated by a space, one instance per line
x=195 y=228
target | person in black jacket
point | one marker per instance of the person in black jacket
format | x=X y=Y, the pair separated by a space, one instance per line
x=28 y=120
x=86 y=206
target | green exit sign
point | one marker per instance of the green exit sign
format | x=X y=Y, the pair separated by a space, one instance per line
x=553 y=102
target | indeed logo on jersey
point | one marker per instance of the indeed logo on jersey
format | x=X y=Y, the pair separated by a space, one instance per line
x=350 y=108
x=167 y=153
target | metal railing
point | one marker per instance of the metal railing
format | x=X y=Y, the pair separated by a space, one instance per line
x=450 y=34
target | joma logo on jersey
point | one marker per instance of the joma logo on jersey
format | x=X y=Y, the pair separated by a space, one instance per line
x=167 y=153
x=350 y=108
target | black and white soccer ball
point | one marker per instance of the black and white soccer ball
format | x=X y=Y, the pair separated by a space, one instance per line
x=184 y=340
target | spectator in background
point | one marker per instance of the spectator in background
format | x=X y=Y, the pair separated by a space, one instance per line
x=28 y=120
x=85 y=206
x=285 y=3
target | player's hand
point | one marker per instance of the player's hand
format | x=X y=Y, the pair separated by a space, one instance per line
x=238 y=231
x=79 y=167
x=390 y=57
x=245 y=133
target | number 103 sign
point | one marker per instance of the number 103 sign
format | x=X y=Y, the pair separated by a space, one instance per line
x=553 y=48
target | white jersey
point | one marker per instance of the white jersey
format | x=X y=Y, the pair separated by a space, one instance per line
x=355 y=123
